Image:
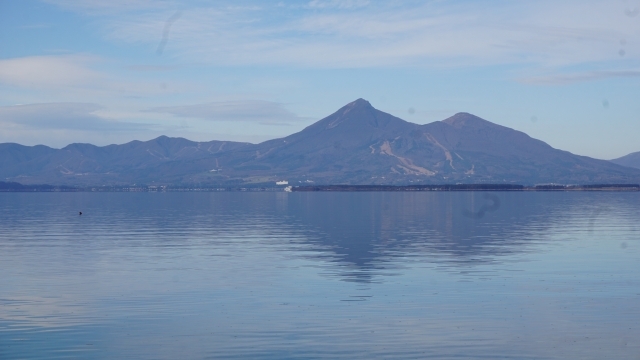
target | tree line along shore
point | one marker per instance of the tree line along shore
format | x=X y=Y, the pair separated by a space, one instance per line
x=17 y=187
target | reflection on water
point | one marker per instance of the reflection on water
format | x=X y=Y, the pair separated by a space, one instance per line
x=320 y=275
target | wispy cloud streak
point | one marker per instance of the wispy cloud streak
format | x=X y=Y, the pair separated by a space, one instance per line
x=259 y=111
x=165 y=32
x=560 y=79
x=67 y=116
x=330 y=34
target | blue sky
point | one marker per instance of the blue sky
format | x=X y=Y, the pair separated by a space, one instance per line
x=105 y=72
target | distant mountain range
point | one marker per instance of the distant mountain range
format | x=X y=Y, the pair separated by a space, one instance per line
x=631 y=160
x=355 y=145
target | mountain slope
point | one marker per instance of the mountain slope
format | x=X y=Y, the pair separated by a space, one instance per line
x=630 y=160
x=355 y=145
x=15 y=154
x=335 y=147
x=88 y=164
x=361 y=145
x=476 y=150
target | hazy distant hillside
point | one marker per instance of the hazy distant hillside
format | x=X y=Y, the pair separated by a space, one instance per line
x=88 y=164
x=355 y=145
x=630 y=160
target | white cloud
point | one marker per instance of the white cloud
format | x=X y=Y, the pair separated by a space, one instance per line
x=543 y=33
x=259 y=111
x=340 y=4
x=101 y=7
x=569 y=78
x=150 y=68
x=67 y=116
x=47 y=71
x=63 y=78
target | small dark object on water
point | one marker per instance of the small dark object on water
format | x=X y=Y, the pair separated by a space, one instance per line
x=80 y=213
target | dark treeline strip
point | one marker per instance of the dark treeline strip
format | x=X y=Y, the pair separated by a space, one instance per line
x=445 y=187
x=469 y=187
x=17 y=187
x=624 y=187
x=603 y=186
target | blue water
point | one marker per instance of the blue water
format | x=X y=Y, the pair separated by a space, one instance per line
x=442 y=275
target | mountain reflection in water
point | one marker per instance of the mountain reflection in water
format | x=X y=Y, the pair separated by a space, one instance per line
x=544 y=275
x=366 y=232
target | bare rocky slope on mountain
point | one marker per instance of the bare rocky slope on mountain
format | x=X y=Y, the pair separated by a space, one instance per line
x=355 y=145
x=630 y=160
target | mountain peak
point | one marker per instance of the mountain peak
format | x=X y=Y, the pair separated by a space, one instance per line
x=463 y=119
x=359 y=103
x=630 y=160
x=163 y=139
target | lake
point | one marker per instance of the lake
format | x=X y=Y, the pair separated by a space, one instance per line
x=275 y=275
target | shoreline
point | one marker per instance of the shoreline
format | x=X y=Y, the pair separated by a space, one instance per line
x=468 y=187
x=331 y=188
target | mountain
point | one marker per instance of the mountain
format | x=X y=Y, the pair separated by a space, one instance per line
x=357 y=144
x=630 y=160
x=86 y=164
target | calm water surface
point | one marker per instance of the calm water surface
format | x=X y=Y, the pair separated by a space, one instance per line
x=320 y=275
